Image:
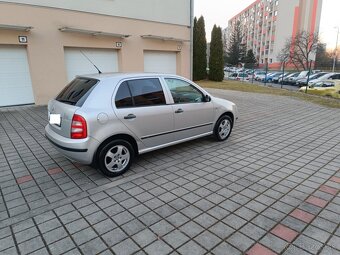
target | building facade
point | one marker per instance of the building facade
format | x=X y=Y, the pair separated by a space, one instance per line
x=45 y=43
x=267 y=24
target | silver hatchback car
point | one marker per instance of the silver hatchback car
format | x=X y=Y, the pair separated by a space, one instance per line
x=107 y=119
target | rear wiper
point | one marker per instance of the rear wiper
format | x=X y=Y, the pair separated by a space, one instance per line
x=66 y=101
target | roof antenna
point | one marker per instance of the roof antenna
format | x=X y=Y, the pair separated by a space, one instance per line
x=91 y=62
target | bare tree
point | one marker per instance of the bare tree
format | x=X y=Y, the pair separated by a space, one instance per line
x=285 y=54
x=299 y=49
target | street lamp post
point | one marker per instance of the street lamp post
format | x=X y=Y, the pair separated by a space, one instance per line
x=336 y=48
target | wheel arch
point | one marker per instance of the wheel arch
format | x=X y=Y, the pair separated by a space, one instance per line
x=125 y=137
x=230 y=114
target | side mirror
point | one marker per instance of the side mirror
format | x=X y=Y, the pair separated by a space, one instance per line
x=207 y=98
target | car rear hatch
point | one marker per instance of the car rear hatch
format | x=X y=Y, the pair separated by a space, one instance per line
x=69 y=100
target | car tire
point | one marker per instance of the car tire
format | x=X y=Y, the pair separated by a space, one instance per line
x=115 y=158
x=223 y=128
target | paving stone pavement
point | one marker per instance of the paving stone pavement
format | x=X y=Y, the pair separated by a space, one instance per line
x=272 y=188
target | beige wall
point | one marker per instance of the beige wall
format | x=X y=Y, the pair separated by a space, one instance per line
x=46 y=43
x=172 y=12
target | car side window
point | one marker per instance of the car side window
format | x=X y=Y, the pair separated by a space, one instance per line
x=328 y=84
x=183 y=92
x=123 y=97
x=146 y=92
x=141 y=92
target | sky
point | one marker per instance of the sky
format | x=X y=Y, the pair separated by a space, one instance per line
x=220 y=11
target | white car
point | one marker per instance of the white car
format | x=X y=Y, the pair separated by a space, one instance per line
x=258 y=76
x=328 y=76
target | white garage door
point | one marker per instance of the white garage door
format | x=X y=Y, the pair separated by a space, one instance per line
x=160 y=62
x=77 y=64
x=15 y=79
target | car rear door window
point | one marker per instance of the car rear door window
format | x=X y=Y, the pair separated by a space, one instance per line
x=76 y=92
x=183 y=92
x=146 y=92
x=140 y=92
x=123 y=96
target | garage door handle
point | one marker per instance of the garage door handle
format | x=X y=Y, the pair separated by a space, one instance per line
x=130 y=116
x=179 y=111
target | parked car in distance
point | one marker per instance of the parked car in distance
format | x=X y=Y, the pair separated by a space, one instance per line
x=242 y=77
x=288 y=78
x=303 y=81
x=332 y=86
x=328 y=76
x=239 y=76
x=270 y=77
x=259 y=75
x=279 y=78
x=302 y=75
x=108 y=119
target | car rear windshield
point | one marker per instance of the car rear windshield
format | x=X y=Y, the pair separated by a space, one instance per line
x=76 y=92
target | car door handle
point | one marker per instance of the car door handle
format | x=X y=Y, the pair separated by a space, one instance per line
x=179 y=111
x=129 y=117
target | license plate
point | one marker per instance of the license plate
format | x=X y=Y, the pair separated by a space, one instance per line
x=55 y=119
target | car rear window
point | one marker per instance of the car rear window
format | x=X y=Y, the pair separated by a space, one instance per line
x=76 y=92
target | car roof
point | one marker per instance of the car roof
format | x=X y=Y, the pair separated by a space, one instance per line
x=116 y=75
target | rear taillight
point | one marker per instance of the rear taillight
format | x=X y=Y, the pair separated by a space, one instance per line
x=78 y=127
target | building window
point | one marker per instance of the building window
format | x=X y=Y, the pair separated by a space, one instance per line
x=275 y=13
x=277 y=2
x=270 y=60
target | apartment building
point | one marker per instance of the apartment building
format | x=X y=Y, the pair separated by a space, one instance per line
x=267 y=24
x=45 y=43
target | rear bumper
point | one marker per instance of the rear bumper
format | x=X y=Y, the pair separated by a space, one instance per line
x=80 y=150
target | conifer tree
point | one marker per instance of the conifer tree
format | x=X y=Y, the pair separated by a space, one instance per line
x=250 y=59
x=216 y=62
x=236 y=50
x=199 y=50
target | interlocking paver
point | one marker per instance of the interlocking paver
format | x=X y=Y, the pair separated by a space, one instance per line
x=302 y=215
x=113 y=237
x=334 y=242
x=158 y=248
x=284 y=232
x=191 y=229
x=308 y=244
x=240 y=241
x=55 y=235
x=31 y=245
x=317 y=201
x=191 y=248
x=93 y=247
x=175 y=239
x=84 y=236
x=26 y=234
x=275 y=181
x=61 y=246
x=253 y=231
x=225 y=248
x=259 y=249
x=144 y=237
